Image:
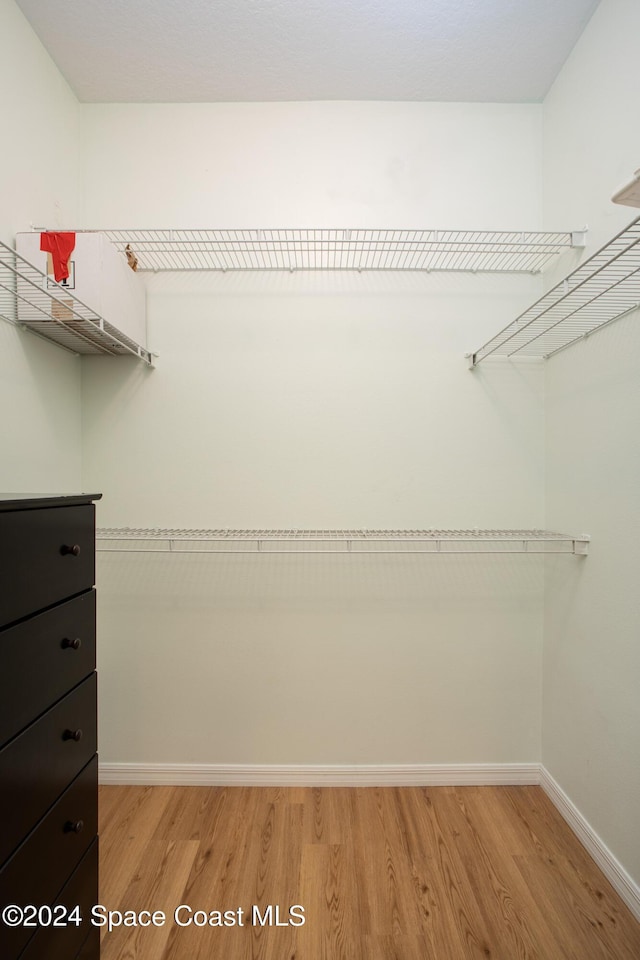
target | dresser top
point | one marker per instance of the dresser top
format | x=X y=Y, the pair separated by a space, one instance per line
x=34 y=501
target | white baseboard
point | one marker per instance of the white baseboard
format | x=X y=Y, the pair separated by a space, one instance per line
x=613 y=870
x=338 y=775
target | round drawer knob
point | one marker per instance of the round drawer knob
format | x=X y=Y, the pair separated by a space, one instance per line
x=70 y=551
x=72 y=735
x=74 y=644
x=74 y=826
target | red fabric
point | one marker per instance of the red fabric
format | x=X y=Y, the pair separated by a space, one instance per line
x=60 y=246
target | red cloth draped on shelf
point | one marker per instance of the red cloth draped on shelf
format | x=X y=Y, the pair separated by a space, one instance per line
x=60 y=246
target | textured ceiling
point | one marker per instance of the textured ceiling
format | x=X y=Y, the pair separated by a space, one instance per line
x=231 y=50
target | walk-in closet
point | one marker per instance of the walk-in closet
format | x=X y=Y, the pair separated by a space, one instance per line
x=321 y=401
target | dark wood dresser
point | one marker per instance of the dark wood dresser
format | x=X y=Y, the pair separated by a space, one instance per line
x=48 y=705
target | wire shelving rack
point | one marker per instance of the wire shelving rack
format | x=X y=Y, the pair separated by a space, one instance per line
x=140 y=540
x=338 y=249
x=602 y=289
x=31 y=299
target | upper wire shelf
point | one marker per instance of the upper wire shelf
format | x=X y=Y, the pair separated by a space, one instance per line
x=602 y=289
x=31 y=299
x=140 y=540
x=337 y=249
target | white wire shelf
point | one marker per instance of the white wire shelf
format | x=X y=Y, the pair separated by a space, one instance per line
x=30 y=299
x=602 y=289
x=337 y=249
x=138 y=540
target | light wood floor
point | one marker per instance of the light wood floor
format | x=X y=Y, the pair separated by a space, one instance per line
x=382 y=873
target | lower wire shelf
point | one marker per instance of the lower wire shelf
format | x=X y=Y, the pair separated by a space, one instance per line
x=140 y=540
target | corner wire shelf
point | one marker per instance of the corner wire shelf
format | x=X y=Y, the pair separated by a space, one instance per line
x=338 y=249
x=32 y=300
x=138 y=540
x=602 y=289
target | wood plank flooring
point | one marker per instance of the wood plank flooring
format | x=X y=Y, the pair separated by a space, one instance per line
x=411 y=873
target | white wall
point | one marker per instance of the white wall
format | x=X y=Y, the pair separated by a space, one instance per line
x=312 y=165
x=317 y=401
x=591 y=139
x=329 y=401
x=319 y=660
x=39 y=177
x=591 y=708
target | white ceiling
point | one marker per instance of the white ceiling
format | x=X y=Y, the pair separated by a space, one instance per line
x=253 y=50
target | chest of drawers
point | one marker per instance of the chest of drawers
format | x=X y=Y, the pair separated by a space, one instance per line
x=48 y=761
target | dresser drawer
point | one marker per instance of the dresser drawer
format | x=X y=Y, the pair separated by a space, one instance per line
x=91 y=947
x=42 y=658
x=38 y=765
x=38 y=869
x=65 y=943
x=47 y=555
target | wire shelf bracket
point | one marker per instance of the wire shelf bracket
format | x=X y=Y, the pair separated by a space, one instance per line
x=343 y=249
x=140 y=540
x=31 y=300
x=604 y=288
